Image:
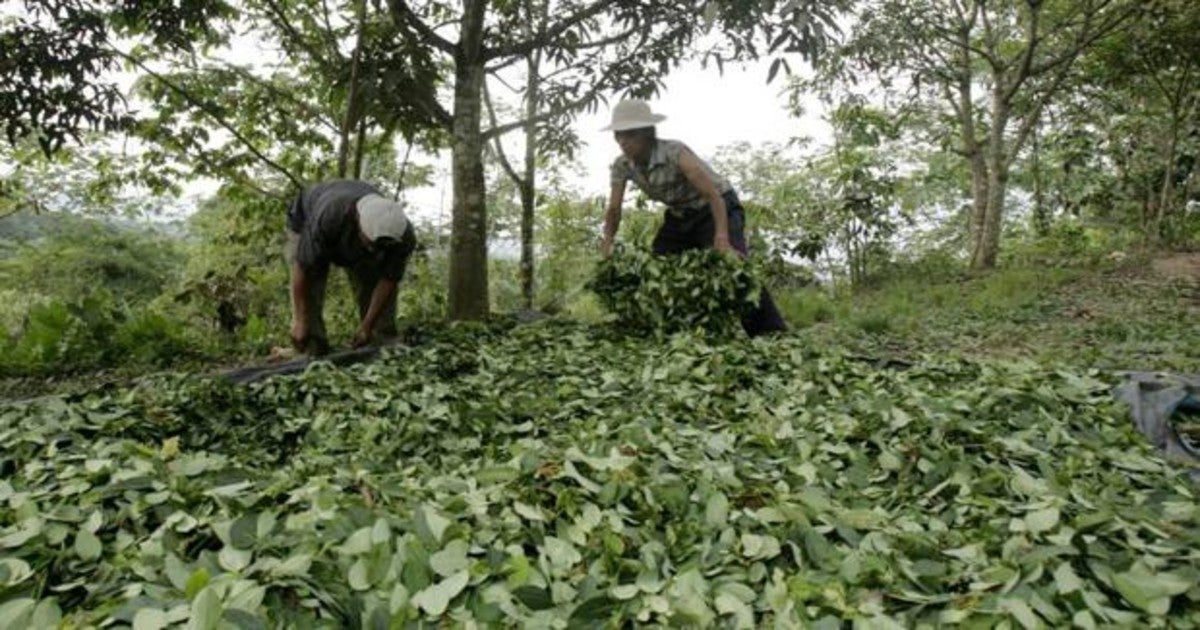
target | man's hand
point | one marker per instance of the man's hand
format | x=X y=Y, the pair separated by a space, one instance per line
x=361 y=338
x=299 y=334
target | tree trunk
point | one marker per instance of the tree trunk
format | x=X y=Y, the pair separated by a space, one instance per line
x=974 y=154
x=352 y=99
x=1041 y=216
x=529 y=185
x=468 y=299
x=979 y=205
x=1167 y=192
x=360 y=147
x=987 y=243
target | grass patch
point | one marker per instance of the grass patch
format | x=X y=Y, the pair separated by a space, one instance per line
x=808 y=306
x=1096 y=317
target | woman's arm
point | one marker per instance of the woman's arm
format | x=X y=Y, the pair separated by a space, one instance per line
x=612 y=217
x=699 y=179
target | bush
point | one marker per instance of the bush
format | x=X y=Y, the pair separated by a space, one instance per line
x=937 y=265
x=61 y=336
x=94 y=332
x=82 y=255
x=423 y=290
x=150 y=338
x=1069 y=243
x=874 y=322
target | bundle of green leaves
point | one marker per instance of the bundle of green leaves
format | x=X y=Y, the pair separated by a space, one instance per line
x=549 y=477
x=697 y=290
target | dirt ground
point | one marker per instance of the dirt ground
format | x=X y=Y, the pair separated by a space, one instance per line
x=1182 y=266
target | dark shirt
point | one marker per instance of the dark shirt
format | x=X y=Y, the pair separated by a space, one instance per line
x=325 y=217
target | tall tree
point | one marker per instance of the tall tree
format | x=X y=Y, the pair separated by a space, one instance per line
x=996 y=66
x=618 y=42
x=541 y=137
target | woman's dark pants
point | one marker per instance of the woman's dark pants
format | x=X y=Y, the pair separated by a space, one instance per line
x=693 y=229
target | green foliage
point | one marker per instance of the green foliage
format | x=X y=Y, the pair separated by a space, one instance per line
x=1141 y=131
x=672 y=483
x=1121 y=313
x=55 y=334
x=698 y=289
x=85 y=298
x=94 y=180
x=148 y=337
x=235 y=268
x=874 y=322
x=837 y=205
x=566 y=236
x=806 y=307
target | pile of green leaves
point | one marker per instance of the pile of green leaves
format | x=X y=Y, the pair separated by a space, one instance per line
x=699 y=289
x=549 y=476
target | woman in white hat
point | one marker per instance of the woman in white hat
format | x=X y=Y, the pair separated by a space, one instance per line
x=702 y=208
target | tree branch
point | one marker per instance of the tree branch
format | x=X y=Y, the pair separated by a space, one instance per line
x=992 y=37
x=597 y=88
x=239 y=177
x=600 y=42
x=1031 y=45
x=499 y=148
x=549 y=35
x=956 y=39
x=1182 y=87
x=281 y=22
x=1031 y=120
x=282 y=94
x=1083 y=39
x=207 y=109
x=332 y=41
x=404 y=14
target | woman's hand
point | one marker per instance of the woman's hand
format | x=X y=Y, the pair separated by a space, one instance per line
x=721 y=243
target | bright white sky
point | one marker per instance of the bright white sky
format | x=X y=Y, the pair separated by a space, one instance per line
x=704 y=109
x=707 y=110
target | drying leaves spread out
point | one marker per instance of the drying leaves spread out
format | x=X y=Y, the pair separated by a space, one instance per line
x=556 y=476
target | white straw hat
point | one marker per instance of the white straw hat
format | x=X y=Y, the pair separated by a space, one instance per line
x=379 y=217
x=633 y=114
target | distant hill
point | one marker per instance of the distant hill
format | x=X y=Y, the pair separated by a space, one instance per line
x=28 y=228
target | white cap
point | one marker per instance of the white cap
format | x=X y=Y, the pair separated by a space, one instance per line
x=633 y=114
x=380 y=217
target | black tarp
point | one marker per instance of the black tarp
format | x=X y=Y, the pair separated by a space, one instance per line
x=1161 y=404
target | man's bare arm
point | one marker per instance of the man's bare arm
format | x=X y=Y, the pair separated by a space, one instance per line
x=384 y=290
